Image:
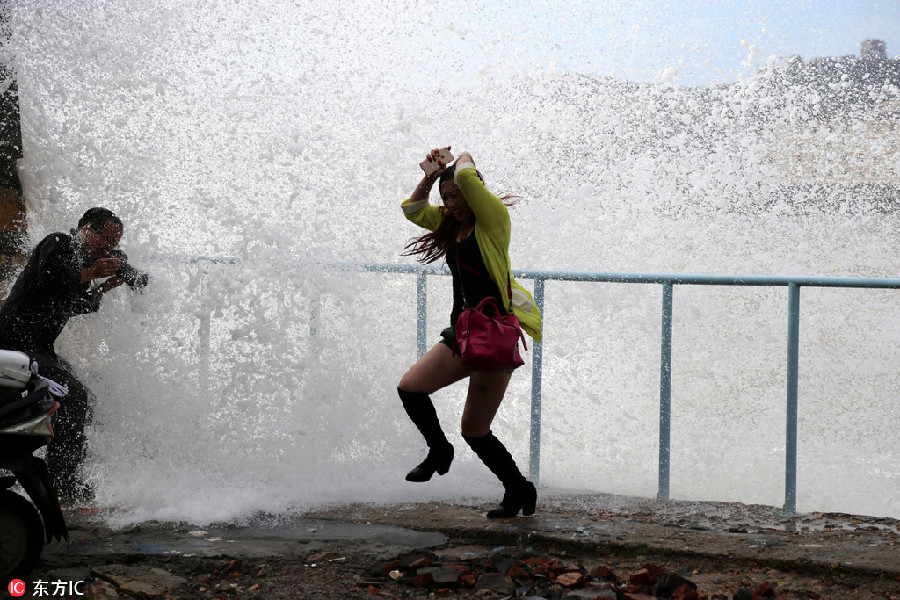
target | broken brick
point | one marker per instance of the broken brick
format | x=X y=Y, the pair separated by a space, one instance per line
x=423 y=577
x=420 y=563
x=445 y=576
x=495 y=582
x=685 y=592
x=571 y=580
x=234 y=565
x=764 y=591
x=386 y=567
x=462 y=569
x=593 y=592
x=518 y=572
x=669 y=582
x=542 y=570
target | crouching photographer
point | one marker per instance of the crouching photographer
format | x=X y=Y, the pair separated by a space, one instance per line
x=58 y=282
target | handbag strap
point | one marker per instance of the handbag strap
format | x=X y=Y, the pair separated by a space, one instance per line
x=459 y=268
x=498 y=317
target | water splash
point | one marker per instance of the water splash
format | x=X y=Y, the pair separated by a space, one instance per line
x=286 y=136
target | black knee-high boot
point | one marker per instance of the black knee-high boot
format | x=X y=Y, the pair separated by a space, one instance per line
x=518 y=492
x=440 y=452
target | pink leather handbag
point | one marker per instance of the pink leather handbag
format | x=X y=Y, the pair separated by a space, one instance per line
x=489 y=340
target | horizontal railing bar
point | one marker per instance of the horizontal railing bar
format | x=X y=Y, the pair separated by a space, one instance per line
x=659 y=278
x=734 y=280
x=668 y=280
x=613 y=277
x=191 y=259
x=391 y=268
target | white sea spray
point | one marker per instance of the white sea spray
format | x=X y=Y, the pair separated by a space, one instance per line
x=251 y=148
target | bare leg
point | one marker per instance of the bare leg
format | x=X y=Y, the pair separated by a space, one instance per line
x=434 y=371
x=437 y=369
x=486 y=391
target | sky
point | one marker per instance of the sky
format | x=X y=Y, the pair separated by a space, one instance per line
x=688 y=42
x=693 y=42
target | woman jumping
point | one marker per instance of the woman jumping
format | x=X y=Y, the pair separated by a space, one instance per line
x=472 y=231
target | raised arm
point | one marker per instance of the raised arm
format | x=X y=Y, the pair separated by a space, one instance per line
x=423 y=190
x=417 y=208
x=489 y=210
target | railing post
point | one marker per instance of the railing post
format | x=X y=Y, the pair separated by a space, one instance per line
x=537 y=359
x=668 y=281
x=665 y=395
x=793 y=354
x=314 y=315
x=421 y=313
x=204 y=332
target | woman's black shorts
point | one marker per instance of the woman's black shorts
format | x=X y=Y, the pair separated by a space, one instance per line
x=448 y=338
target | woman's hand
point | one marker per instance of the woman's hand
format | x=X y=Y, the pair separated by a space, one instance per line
x=433 y=165
x=435 y=162
x=465 y=157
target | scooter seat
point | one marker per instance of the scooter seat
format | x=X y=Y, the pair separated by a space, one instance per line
x=24 y=408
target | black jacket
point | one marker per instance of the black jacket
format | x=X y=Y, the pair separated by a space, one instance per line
x=46 y=294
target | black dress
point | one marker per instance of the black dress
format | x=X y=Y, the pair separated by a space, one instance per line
x=472 y=283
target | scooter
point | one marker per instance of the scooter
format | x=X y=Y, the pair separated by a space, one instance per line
x=26 y=409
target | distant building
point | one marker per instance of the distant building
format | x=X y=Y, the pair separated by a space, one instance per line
x=832 y=126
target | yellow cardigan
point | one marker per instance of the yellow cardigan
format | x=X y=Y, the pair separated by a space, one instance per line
x=492 y=231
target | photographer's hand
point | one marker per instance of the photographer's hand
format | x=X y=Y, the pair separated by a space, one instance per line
x=104 y=267
x=111 y=283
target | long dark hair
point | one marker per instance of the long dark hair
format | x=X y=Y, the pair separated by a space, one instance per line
x=432 y=246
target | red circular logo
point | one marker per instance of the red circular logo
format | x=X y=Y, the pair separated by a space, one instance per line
x=16 y=588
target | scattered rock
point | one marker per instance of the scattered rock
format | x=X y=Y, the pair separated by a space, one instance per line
x=102 y=590
x=669 y=583
x=592 y=592
x=543 y=577
x=234 y=566
x=646 y=577
x=447 y=575
x=571 y=580
x=686 y=592
x=764 y=591
x=495 y=582
x=136 y=581
x=603 y=573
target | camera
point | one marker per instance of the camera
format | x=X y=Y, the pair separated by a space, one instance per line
x=134 y=278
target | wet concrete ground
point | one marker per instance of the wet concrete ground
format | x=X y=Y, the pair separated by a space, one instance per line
x=720 y=546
